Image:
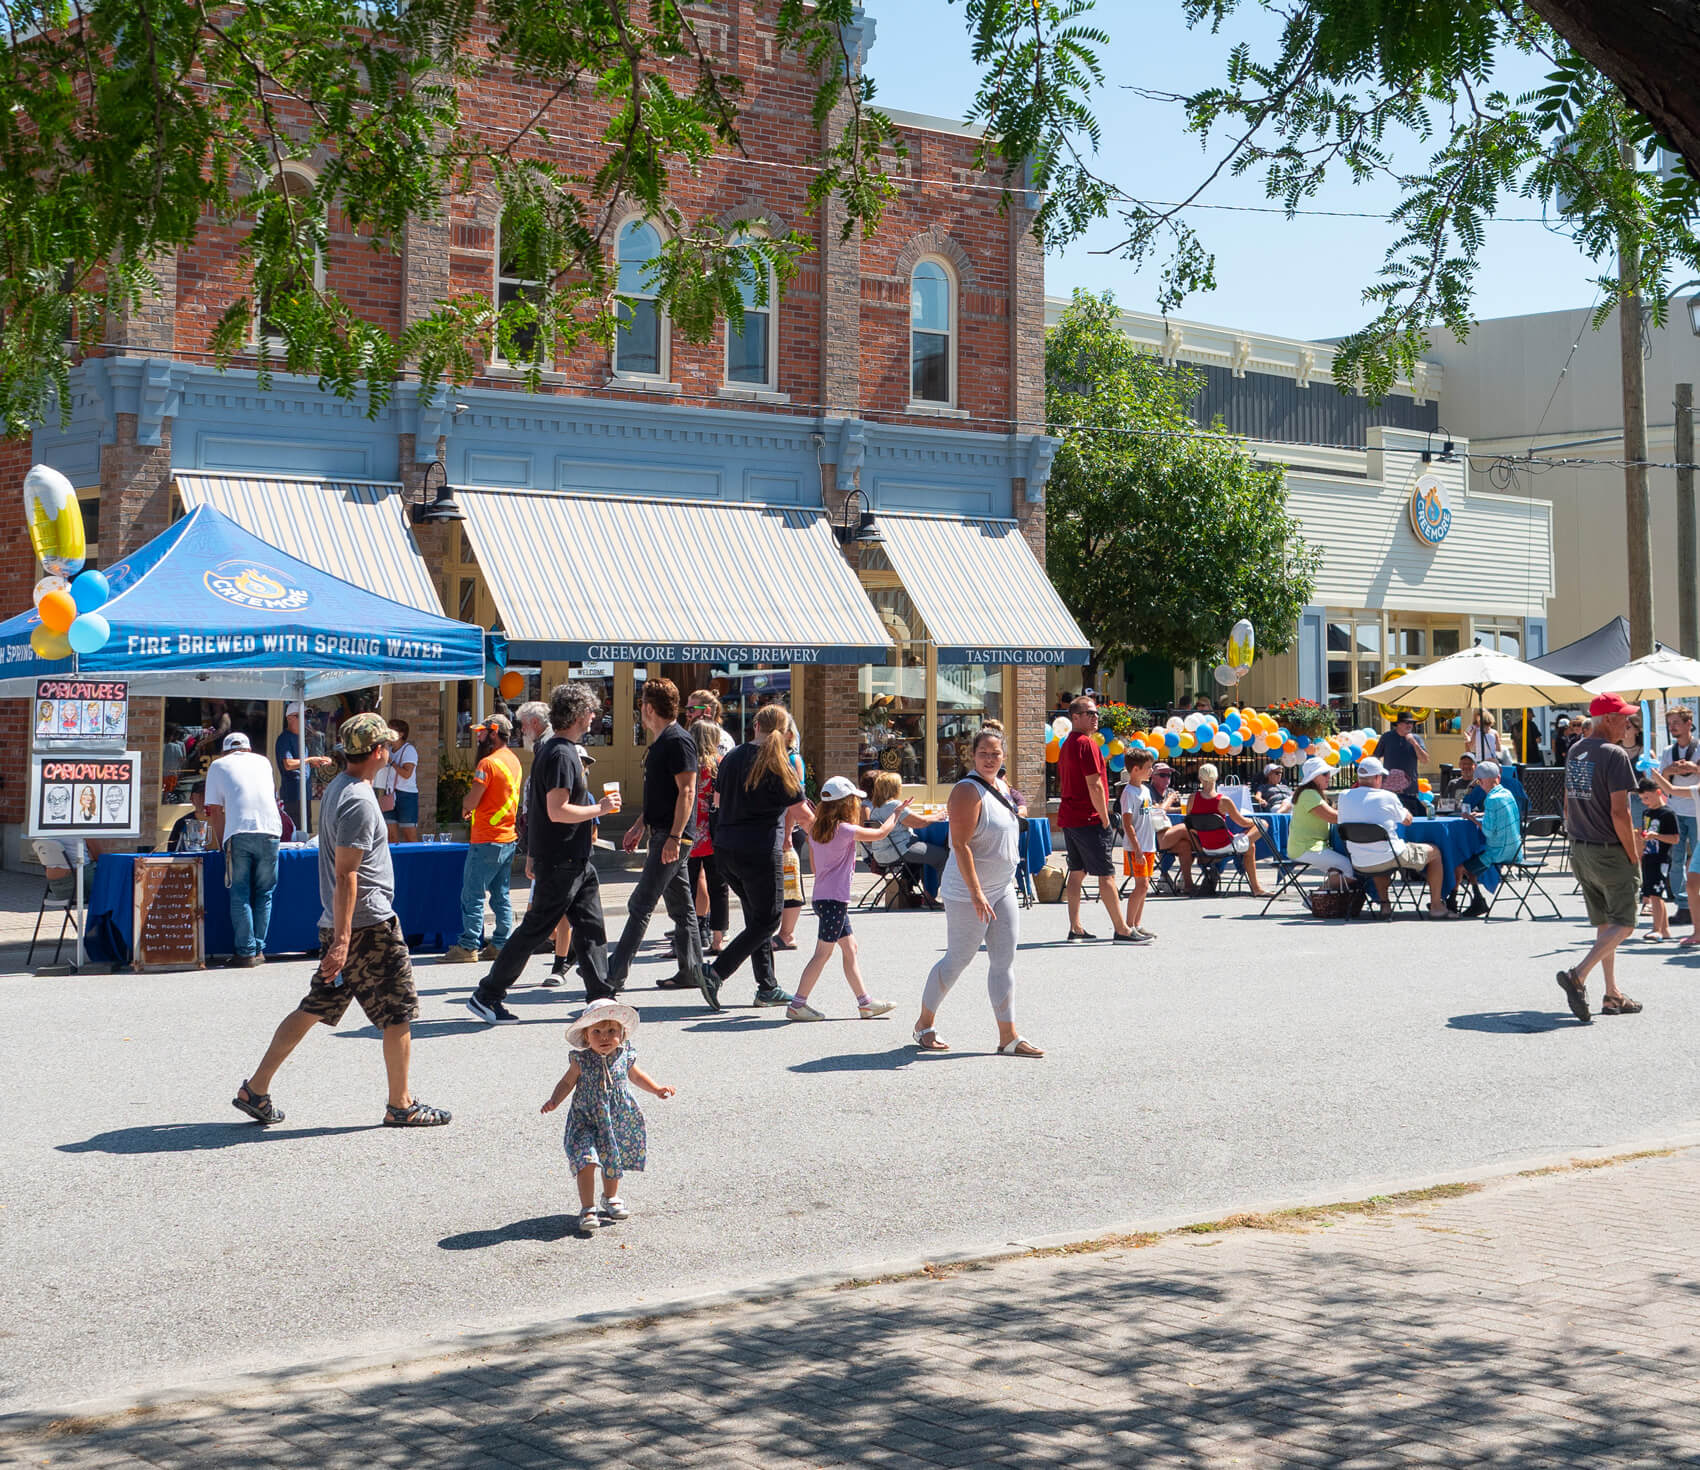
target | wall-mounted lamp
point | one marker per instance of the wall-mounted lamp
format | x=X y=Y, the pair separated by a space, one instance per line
x=864 y=532
x=1446 y=455
x=440 y=509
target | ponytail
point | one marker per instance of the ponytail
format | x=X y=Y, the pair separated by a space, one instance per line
x=773 y=728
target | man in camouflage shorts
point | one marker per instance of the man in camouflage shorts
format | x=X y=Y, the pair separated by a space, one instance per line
x=364 y=957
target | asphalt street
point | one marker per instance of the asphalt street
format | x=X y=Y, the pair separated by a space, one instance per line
x=151 y=1236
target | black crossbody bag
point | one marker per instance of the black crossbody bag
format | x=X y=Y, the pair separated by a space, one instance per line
x=1010 y=806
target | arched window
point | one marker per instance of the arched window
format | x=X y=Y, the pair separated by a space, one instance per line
x=293 y=181
x=640 y=346
x=750 y=349
x=519 y=273
x=931 y=323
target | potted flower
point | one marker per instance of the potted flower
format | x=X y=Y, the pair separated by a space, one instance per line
x=1303 y=717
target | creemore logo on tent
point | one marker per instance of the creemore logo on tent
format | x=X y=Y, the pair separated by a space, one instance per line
x=252 y=584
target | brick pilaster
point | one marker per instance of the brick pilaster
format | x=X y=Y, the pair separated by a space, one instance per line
x=421 y=705
x=1027 y=759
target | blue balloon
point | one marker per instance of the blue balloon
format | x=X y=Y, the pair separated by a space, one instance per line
x=88 y=633
x=1354 y=752
x=1233 y=720
x=1303 y=741
x=1283 y=735
x=89 y=590
x=1117 y=762
x=1172 y=739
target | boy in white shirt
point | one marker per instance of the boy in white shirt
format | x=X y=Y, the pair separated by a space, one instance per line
x=1139 y=835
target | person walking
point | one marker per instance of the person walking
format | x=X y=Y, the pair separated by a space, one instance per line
x=363 y=956
x=980 y=902
x=532 y=719
x=247 y=826
x=1088 y=830
x=1605 y=851
x=492 y=802
x=669 y=819
x=1679 y=763
x=560 y=817
x=708 y=883
x=704 y=704
x=760 y=800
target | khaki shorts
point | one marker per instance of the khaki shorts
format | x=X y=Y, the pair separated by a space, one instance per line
x=378 y=973
x=1611 y=884
x=1412 y=857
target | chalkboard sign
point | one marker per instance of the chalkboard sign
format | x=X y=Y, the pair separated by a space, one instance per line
x=169 y=928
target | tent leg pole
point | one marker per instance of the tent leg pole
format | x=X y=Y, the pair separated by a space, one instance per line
x=302 y=785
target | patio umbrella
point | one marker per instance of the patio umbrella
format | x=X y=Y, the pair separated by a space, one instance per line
x=1470 y=676
x=1663 y=673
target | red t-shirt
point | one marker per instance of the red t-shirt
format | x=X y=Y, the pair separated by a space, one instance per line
x=1079 y=758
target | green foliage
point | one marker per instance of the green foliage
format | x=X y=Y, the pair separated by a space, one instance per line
x=128 y=126
x=1158 y=538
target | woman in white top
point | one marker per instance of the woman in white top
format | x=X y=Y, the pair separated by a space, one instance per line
x=1483 y=740
x=978 y=893
x=403 y=820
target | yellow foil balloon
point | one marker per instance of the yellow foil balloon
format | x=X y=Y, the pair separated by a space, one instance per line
x=48 y=644
x=55 y=521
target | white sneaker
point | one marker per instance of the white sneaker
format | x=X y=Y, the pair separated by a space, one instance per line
x=588 y=1222
x=614 y=1208
x=876 y=1008
x=801 y=1010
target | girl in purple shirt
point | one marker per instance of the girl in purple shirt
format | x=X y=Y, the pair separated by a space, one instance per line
x=832 y=844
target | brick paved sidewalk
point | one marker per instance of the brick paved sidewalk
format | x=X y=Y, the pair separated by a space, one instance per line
x=1548 y=1319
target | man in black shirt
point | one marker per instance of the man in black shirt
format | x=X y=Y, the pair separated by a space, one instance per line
x=560 y=818
x=1399 y=749
x=669 y=816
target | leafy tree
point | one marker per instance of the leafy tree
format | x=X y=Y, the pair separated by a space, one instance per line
x=1158 y=536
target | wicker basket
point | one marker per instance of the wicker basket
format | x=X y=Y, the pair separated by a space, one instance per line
x=1334 y=903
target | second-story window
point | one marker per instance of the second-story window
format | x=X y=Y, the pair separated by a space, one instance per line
x=750 y=348
x=640 y=344
x=519 y=274
x=293 y=183
x=930 y=323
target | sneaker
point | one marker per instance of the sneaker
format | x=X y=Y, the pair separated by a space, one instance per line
x=554 y=978
x=613 y=1208
x=490 y=1012
x=1146 y=932
x=801 y=1010
x=1133 y=936
x=772 y=996
x=491 y=951
x=1075 y=935
x=708 y=982
x=588 y=1222
x=458 y=955
x=876 y=1008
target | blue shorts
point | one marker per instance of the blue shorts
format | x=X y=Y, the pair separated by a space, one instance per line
x=406 y=812
x=834 y=920
x=1478 y=866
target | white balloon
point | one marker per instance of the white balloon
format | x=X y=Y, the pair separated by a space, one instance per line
x=1220 y=740
x=1175 y=724
x=1193 y=721
x=1061 y=726
x=49 y=584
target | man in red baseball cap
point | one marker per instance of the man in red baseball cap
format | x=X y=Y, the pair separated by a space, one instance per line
x=1605 y=854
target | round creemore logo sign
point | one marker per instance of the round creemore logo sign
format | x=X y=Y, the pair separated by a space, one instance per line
x=255 y=585
x=1431 y=510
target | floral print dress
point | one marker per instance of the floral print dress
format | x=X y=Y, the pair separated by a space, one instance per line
x=604 y=1123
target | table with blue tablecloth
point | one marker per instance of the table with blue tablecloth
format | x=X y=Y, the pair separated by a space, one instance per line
x=1458 y=838
x=1035 y=848
x=427 y=899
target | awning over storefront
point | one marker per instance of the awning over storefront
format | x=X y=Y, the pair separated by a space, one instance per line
x=622 y=580
x=357 y=530
x=981 y=592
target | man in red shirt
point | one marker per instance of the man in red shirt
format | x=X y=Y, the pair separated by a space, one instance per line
x=1089 y=835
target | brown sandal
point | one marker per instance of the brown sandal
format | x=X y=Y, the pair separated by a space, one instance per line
x=1620 y=1005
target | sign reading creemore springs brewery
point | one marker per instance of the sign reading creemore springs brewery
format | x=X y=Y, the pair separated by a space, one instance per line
x=1431 y=509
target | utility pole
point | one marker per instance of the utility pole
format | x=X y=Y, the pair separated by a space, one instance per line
x=1687 y=592
x=1639 y=523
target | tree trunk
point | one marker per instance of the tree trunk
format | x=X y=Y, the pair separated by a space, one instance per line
x=1651 y=51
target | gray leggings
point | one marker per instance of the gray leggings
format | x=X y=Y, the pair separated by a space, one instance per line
x=964 y=930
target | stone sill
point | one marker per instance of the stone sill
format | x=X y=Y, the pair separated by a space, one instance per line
x=937 y=411
x=641 y=385
x=752 y=395
x=505 y=372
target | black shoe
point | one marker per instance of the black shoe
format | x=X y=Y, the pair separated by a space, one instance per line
x=772 y=996
x=681 y=981
x=1478 y=909
x=490 y=1012
x=556 y=977
x=1133 y=936
x=1077 y=934
x=708 y=982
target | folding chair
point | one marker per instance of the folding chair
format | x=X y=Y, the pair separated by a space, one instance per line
x=1288 y=873
x=66 y=905
x=887 y=880
x=1549 y=832
x=1209 y=858
x=1413 y=883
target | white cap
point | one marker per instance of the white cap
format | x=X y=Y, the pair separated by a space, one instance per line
x=1370 y=766
x=1313 y=768
x=236 y=740
x=838 y=787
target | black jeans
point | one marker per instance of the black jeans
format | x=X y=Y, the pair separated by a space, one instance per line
x=759 y=881
x=572 y=892
x=718 y=893
x=671 y=884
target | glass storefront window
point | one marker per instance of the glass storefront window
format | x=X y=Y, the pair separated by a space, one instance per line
x=1445 y=642
x=194 y=735
x=893 y=697
x=968 y=695
x=744 y=689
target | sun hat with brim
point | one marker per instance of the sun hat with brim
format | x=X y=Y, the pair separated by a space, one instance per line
x=837 y=788
x=594 y=1014
x=1313 y=768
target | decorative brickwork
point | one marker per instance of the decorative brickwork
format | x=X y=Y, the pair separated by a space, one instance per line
x=421 y=705
x=17 y=575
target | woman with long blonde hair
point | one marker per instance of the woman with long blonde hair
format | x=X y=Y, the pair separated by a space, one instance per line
x=708 y=884
x=760 y=798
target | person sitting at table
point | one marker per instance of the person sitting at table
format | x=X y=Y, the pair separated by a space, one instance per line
x=60 y=861
x=181 y=830
x=1271 y=791
x=1462 y=788
x=1502 y=836
x=1308 y=836
x=902 y=846
x=1222 y=842
x=1369 y=804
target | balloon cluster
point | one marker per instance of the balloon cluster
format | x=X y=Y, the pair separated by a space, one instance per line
x=67 y=599
x=1238 y=731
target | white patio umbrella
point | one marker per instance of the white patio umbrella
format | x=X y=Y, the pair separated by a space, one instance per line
x=1471 y=676
x=1663 y=673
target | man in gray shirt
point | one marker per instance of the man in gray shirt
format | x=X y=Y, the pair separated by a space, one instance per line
x=363 y=954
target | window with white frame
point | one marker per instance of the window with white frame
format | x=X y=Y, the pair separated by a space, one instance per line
x=640 y=344
x=931 y=324
x=519 y=275
x=750 y=349
x=293 y=182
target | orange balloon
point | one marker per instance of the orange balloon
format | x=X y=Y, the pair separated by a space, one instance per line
x=512 y=684
x=1290 y=746
x=58 y=612
x=1052 y=750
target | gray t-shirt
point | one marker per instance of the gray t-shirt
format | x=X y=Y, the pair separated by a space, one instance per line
x=1594 y=771
x=349 y=817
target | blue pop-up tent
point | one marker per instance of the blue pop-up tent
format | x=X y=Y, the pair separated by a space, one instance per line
x=208 y=609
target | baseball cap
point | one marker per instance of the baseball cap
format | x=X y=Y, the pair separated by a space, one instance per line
x=236 y=740
x=838 y=787
x=1164 y=768
x=1370 y=766
x=1272 y=766
x=500 y=724
x=362 y=734
x=1610 y=704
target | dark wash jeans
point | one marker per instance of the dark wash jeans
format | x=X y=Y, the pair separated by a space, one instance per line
x=669 y=883
x=759 y=881
x=570 y=891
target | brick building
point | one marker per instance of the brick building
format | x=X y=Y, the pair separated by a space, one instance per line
x=663 y=508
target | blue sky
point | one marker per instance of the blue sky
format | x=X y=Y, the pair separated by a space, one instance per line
x=1300 y=278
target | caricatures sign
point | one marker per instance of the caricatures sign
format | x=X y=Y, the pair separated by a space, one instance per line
x=85 y=794
x=81 y=712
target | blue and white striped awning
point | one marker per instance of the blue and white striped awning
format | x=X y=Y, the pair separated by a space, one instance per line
x=354 y=529
x=611 y=579
x=980 y=591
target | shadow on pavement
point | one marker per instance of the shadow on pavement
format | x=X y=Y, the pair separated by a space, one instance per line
x=880 y=1061
x=182 y=1138
x=547 y=1228
x=1513 y=1022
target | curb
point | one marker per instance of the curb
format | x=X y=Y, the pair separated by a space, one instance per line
x=427 y=1356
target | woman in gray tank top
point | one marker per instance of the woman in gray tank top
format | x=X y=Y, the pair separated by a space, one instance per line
x=978 y=893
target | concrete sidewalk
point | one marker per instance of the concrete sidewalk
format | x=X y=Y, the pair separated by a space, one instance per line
x=1546 y=1318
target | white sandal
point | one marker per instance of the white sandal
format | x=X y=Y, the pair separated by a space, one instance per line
x=936 y=1044
x=1013 y=1049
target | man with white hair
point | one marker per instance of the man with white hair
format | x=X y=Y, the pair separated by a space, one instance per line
x=1369 y=805
x=531 y=719
x=1502 y=836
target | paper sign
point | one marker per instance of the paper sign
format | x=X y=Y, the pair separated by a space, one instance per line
x=85 y=793
x=81 y=712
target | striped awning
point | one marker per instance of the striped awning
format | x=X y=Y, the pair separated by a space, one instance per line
x=356 y=530
x=611 y=579
x=981 y=592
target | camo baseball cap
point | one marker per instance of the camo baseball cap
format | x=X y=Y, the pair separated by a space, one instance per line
x=362 y=734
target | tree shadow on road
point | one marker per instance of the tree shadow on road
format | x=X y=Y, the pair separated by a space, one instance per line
x=1509 y=1023
x=183 y=1138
